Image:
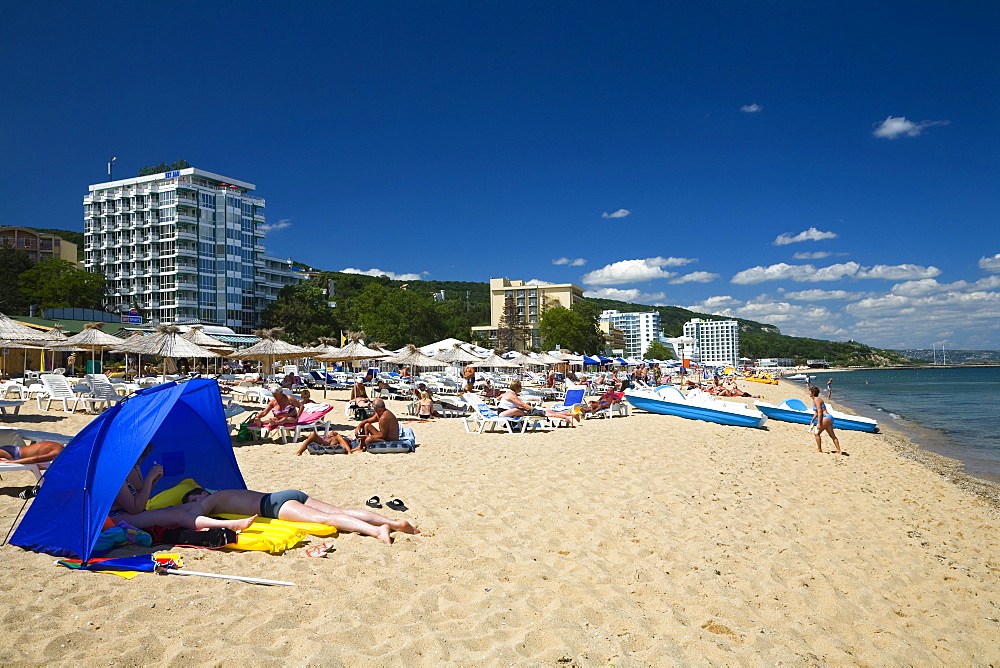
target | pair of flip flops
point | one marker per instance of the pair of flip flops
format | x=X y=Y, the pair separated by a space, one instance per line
x=395 y=504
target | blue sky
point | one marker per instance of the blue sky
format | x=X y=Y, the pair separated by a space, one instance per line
x=830 y=167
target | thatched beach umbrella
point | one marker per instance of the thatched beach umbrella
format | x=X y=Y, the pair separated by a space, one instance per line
x=92 y=338
x=457 y=354
x=197 y=336
x=354 y=351
x=16 y=335
x=168 y=343
x=413 y=357
x=270 y=348
x=494 y=361
x=11 y=330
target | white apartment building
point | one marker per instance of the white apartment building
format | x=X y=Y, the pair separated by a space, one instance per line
x=716 y=341
x=182 y=246
x=640 y=329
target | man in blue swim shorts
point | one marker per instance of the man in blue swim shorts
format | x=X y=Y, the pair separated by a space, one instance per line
x=36 y=453
x=295 y=506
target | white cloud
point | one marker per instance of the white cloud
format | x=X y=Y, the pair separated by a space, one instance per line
x=380 y=272
x=751 y=108
x=821 y=295
x=812 y=234
x=806 y=273
x=537 y=281
x=576 y=262
x=898 y=126
x=620 y=213
x=274 y=227
x=695 y=277
x=715 y=304
x=633 y=295
x=912 y=314
x=632 y=271
x=988 y=283
x=817 y=255
x=990 y=264
x=899 y=272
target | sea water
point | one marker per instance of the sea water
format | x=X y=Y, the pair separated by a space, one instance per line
x=953 y=411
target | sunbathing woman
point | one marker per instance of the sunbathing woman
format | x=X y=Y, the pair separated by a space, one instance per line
x=823 y=421
x=130 y=505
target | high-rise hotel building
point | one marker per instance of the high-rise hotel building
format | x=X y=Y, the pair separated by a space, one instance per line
x=717 y=341
x=640 y=329
x=183 y=246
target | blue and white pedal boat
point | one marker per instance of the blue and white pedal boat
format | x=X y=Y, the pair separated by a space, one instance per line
x=795 y=410
x=697 y=405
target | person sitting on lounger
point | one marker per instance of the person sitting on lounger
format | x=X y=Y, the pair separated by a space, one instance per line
x=359 y=396
x=606 y=400
x=41 y=452
x=511 y=405
x=284 y=409
x=383 y=426
x=295 y=506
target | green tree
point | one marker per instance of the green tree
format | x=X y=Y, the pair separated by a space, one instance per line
x=568 y=329
x=13 y=263
x=657 y=351
x=304 y=313
x=397 y=317
x=55 y=283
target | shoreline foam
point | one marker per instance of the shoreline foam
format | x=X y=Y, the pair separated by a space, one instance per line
x=636 y=541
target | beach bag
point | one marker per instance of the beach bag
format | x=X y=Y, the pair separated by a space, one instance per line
x=244 y=433
x=360 y=413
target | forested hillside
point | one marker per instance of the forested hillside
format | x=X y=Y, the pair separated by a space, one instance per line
x=399 y=312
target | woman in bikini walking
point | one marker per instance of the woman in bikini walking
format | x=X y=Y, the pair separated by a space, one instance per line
x=822 y=421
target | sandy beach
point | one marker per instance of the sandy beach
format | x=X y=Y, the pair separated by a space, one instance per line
x=646 y=540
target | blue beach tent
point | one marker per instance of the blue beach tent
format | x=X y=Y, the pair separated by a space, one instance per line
x=190 y=437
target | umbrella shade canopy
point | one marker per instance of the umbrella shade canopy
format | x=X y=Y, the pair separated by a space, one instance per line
x=133 y=344
x=325 y=346
x=55 y=334
x=92 y=338
x=7 y=343
x=457 y=354
x=355 y=350
x=413 y=357
x=11 y=330
x=270 y=349
x=198 y=337
x=494 y=361
x=168 y=342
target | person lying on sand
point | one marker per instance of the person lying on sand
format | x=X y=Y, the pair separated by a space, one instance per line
x=41 y=452
x=295 y=506
x=331 y=440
